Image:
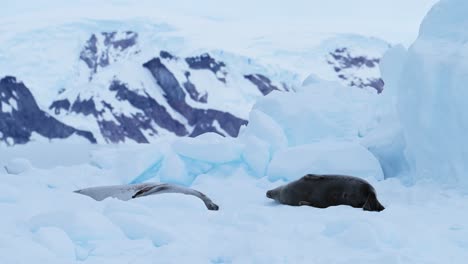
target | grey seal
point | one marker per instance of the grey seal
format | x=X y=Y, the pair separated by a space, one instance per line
x=131 y=191
x=323 y=191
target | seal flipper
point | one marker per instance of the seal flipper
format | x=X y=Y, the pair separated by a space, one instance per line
x=304 y=203
x=372 y=204
x=168 y=188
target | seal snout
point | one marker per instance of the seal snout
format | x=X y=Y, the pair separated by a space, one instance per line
x=269 y=194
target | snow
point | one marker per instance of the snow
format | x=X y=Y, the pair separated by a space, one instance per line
x=324 y=158
x=57 y=241
x=6 y=108
x=60 y=226
x=209 y=147
x=264 y=127
x=319 y=111
x=17 y=166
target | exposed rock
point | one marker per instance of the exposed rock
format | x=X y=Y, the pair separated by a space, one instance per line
x=102 y=49
x=206 y=62
x=20 y=116
x=262 y=82
x=342 y=61
x=202 y=120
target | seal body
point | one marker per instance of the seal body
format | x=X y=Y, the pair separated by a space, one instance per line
x=132 y=191
x=323 y=191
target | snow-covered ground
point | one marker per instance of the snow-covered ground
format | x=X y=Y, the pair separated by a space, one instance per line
x=43 y=221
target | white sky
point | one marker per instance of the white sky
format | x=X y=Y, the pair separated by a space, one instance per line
x=396 y=21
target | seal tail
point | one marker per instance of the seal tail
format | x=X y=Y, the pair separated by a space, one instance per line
x=372 y=204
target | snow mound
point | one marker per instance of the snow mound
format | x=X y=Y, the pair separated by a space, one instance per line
x=57 y=241
x=324 y=120
x=324 y=158
x=80 y=227
x=319 y=111
x=17 y=166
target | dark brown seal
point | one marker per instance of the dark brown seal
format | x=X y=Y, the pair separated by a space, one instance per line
x=323 y=191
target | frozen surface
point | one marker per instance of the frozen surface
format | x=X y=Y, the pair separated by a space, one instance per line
x=55 y=225
x=324 y=158
x=17 y=166
x=432 y=97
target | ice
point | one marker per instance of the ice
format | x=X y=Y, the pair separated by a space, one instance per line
x=266 y=128
x=432 y=97
x=173 y=170
x=57 y=241
x=256 y=155
x=9 y=194
x=143 y=157
x=177 y=228
x=80 y=227
x=132 y=219
x=17 y=166
x=324 y=158
x=208 y=147
x=387 y=144
x=391 y=66
x=386 y=140
x=319 y=111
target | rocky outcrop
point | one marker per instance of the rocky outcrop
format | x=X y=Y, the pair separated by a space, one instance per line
x=20 y=116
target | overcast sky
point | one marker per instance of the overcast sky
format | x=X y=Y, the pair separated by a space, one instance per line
x=392 y=20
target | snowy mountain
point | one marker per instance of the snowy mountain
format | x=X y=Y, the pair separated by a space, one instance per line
x=127 y=95
x=138 y=85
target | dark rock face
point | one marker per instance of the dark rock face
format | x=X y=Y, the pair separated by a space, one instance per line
x=126 y=127
x=192 y=90
x=341 y=60
x=86 y=107
x=112 y=43
x=262 y=82
x=166 y=55
x=206 y=62
x=202 y=120
x=345 y=60
x=59 y=105
x=89 y=53
x=378 y=84
x=129 y=40
x=153 y=110
x=20 y=116
x=123 y=125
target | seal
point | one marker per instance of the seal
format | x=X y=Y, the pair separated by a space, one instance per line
x=131 y=191
x=323 y=191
